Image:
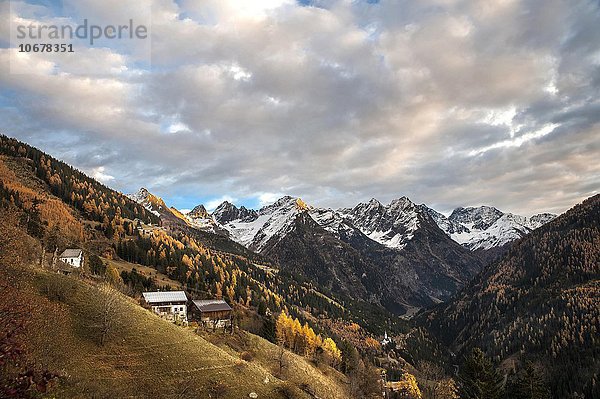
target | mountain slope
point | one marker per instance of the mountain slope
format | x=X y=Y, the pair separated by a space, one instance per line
x=394 y=255
x=94 y=200
x=538 y=301
x=429 y=267
x=255 y=229
x=315 y=254
x=144 y=356
x=169 y=217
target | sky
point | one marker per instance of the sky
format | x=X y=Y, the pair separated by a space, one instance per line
x=449 y=102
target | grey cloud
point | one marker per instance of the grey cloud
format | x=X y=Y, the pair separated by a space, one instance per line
x=336 y=104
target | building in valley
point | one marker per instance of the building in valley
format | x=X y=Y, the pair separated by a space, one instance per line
x=215 y=313
x=171 y=305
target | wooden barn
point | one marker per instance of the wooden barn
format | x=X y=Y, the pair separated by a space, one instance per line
x=215 y=313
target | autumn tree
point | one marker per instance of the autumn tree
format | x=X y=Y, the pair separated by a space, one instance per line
x=446 y=389
x=365 y=382
x=332 y=351
x=408 y=387
x=112 y=276
x=432 y=375
x=372 y=344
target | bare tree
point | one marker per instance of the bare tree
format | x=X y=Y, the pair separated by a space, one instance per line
x=430 y=374
x=108 y=313
x=282 y=362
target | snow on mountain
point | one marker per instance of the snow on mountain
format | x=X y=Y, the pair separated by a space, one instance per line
x=486 y=227
x=201 y=219
x=479 y=218
x=447 y=225
x=392 y=225
x=254 y=229
x=149 y=201
x=332 y=221
x=540 y=219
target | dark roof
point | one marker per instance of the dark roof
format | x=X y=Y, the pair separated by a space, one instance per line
x=211 y=305
x=165 y=296
x=71 y=253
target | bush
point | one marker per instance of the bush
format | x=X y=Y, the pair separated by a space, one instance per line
x=247 y=356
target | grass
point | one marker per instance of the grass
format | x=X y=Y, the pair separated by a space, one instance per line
x=322 y=380
x=145 y=356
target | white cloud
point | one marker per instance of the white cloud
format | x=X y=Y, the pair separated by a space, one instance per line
x=212 y=204
x=100 y=175
x=178 y=127
x=268 y=198
x=518 y=141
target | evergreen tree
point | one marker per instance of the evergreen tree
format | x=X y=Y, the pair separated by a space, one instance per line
x=528 y=383
x=268 y=330
x=350 y=358
x=478 y=378
x=96 y=265
x=33 y=221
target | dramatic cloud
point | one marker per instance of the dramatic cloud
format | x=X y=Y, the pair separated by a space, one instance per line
x=450 y=102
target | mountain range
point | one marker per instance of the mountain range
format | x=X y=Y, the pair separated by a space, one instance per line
x=402 y=256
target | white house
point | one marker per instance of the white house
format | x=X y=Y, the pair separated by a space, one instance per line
x=72 y=257
x=169 y=304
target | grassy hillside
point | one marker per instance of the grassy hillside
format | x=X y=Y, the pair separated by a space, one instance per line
x=319 y=379
x=145 y=271
x=144 y=355
x=53 y=322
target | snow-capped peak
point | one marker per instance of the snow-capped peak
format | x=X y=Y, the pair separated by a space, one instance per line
x=447 y=225
x=199 y=212
x=486 y=227
x=227 y=212
x=149 y=201
x=254 y=229
x=392 y=225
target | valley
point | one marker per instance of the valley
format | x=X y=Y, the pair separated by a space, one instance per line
x=398 y=289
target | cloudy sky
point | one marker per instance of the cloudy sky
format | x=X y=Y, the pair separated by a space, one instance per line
x=449 y=102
